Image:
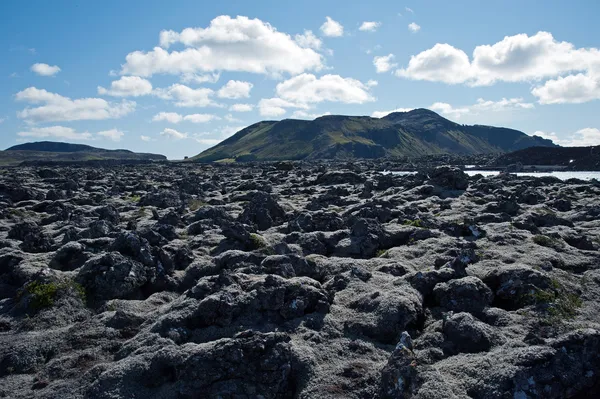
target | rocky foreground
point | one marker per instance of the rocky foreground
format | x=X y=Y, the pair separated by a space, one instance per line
x=296 y=281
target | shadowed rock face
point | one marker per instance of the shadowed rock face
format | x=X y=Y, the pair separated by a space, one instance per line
x=296 y=280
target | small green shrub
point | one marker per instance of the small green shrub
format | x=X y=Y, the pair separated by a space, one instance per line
x=257 y=241
x=195 y=204
x=414 y=223
x=548 y=242
x=42 y=295
x=134 y=198
x=381 y=252
x=559 y=304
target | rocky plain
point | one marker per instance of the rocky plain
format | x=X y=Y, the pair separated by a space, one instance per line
x=296 y=280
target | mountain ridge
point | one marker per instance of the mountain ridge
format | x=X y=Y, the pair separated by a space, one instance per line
x=413 y=133
x=53 y=151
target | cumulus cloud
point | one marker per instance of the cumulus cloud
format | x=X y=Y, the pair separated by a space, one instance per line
x=59 y=108
x=581 y=138
x=146 y=138
x=413 y=27
x=381 y=114
x=518 y=58
x=56 y=132
x=241 y=107
x=185 y=96
x=308 y=89
x=273 y=107
x=384 y=63
x=442 y=63
x=235 y=89
x=45 y=69
x=447 y=109
x=200 y=118
x=173 y=134
x=482 y=106
x=112 y=134
x=575 y=89
x=308 y=40
x=332 y=28
x=369 y=26
x=174 y=117
x=200 y=78
x=127 y=86
x=227 y=44
x=309 y=116
x=67 y=133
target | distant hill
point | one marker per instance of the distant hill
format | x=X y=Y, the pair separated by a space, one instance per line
x=50 y=151
x=575 y=158
x=54 y=146
x=414 y=133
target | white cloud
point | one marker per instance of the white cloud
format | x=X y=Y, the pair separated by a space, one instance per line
x=308 y=40
x=235 y=89
x=45 y=69
x=231 y=118
x=581 y=138
x=56 y=132
x=146 y=138
x=209 y=142
x=241 y=107
x=306 y=115
x=200 y=78
x=127 y=86
x=501 y=105
x=172 y=117
x=227 y=44
x=331 y=28
x=442 y=63
x=200 y=118
x=518 y=58
x=112 y=134
x=409 y=10
x=369 y=26
x=384 y=63
x=308 y=89
x=185 y=96
x=482 y=106
x=413 y=27
x=372 y=83
x=447 y=109
x=272 y=107
x=575 y=89
x=58 y=108
x=381 y=114
x=173 y=134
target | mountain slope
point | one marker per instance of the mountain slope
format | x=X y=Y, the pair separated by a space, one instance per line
x=413 y=133
x=45 y=151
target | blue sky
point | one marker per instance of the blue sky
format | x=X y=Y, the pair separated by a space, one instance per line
x=177 y=77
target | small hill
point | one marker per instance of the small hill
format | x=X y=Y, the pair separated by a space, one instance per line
x=575 y=158
x=415 y=133
x=54 y=146
x=50 y=151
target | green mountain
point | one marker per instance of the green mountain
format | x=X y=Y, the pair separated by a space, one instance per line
x=414 y=133
x=44 y=151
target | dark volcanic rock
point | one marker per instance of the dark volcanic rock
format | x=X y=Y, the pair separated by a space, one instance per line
x=298 y=280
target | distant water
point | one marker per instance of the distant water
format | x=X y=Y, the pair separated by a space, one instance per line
x=558 y=174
